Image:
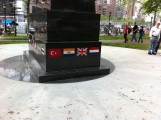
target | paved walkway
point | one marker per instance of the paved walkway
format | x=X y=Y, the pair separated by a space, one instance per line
x=121 y=41
x=131 y=92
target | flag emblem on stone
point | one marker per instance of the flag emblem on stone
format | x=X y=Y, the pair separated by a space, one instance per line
x=54 y=52
x=33 y=43
x=94 y=51
x=69 y=52
x=30 y=41
x=82 y=51
x=42 y=51
x=39 y=48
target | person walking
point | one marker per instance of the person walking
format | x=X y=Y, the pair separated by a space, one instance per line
x=126 y=33
x=135 y=28
x=158 y=43
x=154 y=38
x=141 y=32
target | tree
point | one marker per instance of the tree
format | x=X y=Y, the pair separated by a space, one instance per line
x=129 y=4
x=151 y=6
x=27 y=5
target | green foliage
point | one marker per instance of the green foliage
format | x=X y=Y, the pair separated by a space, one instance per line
x=104 y=18
x=142 y=22
x=151 y=6
x=127 y=2
x=12 y=36
x=128 y=20
x=26 y=3
x=117 y=18
x=13 y=42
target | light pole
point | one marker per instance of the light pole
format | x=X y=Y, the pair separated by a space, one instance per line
x=109 y=20
x=4 y=8
x=14 y=12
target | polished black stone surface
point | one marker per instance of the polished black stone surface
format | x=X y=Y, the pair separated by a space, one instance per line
x=58 y=26
x=73 y=5
x=65 y=5
x=65 y=42
x=63 y=61
x=17 y=68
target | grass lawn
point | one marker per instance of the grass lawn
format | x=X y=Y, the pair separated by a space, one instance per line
x=12 y=36
x=13 y=42
x=121 y=37
x=129 y=45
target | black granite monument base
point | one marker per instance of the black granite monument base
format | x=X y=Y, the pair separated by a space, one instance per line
x=41 y=75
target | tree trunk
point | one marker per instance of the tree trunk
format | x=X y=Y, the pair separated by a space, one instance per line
x=132 y=12
x=28 y=13
x=155 y=13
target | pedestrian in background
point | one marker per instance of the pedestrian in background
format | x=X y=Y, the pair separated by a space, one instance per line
x=141 y=33
x=158 y=43
x=126 y=33
x=118 y=31
x=135 y=28
x=154 y=38
x=121 y=30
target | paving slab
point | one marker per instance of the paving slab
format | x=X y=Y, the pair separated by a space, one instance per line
x=122 y=41
x=131 y=92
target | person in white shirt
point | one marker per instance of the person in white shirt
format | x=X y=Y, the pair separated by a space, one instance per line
x=154 y=38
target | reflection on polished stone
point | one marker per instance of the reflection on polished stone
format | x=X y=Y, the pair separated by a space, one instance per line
x=16 y=68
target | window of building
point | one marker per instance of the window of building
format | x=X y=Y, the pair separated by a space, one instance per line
x=104 y=6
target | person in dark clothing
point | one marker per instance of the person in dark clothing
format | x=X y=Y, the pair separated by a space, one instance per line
x=135 y=28
x=141 y=32
x=158 y=43
x=126 y=33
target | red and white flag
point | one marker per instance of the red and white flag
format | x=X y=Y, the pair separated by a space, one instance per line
x=54 y=52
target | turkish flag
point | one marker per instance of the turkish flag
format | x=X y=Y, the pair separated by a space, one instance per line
x=54 y=52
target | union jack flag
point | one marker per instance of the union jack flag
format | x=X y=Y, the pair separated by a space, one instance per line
x=82 y=51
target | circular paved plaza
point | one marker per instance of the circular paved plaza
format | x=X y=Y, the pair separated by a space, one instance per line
x=131 y=92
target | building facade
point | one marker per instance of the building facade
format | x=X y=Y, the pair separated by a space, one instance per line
x=19 y=15
x=10 y=4
x=120 y=11
x=103 y=7
x=9 y=13
x=131 y=8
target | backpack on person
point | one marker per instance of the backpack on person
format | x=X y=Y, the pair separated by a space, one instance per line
x=143 y=33
x=129 y=30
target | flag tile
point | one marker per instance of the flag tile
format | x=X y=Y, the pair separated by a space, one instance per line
x=82 y=51
x=54 y=52
x=69 y=52
x=33 y=43
x=42 y=51
x=94 y=51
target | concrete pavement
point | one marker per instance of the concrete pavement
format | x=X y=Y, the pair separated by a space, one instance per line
x=121 y=41
x=131 y=92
